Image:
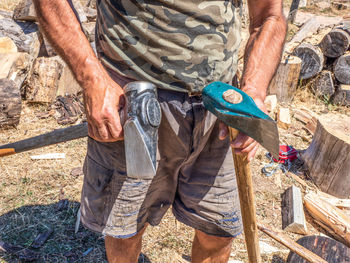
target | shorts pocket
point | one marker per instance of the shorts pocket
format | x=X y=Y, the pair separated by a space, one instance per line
x=97 y=175
x=96 y=193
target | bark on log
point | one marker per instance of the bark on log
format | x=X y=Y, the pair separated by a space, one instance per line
x=26 y=35
x=293 y=218
x=323 y=85
x=10 y=103
x=342 y=69
x=342 y=96
x=327 y=248
x=285 y=81
x=330 y=216
x=335 y=43
x=25 y=11
x=7 y=45
x=15 y=66
x=42 y=82
x=328 y=156
x=312 y=60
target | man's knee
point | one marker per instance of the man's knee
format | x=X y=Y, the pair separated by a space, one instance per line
x=125 y=243
x=210 y=242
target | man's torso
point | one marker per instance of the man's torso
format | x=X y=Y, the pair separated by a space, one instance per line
x=180 y=45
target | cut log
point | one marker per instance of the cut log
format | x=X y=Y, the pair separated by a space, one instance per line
x=26 y=35
x=312 y=60
x=293 y=218
x=342 y=69
x=78 y=10
x=337 y=202
x=271 y=103
x=308 y=118
x=330 y=216
x=15 y=66
x=342 y=96
x=42 y=82
x=325 y=247
x=7 y=45
x=285 y=81
x=67 y=84
x=283 y=118
x=10 y=103
x=91 y=13
x=323 y=85
x=49 y=50
x=335 y=43
x=309 y=28
x=25 y=11
x=89 y=30
x=328 y=156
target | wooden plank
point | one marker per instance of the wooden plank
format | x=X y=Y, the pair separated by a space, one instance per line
x=293 y=218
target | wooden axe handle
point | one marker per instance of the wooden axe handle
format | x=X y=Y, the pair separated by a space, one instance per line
x=246 y=197
x=7 y=151
x=292 y=245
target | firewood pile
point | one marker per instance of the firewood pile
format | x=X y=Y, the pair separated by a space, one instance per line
x=318 y=56
x=31 y=71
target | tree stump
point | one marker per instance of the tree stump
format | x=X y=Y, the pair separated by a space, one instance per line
x=323 y=86
x=285 y=81
x=312 y=60
x=342 y=96
x=10 y=103
x=342 y=69
x=335 y=43
x=328 y=156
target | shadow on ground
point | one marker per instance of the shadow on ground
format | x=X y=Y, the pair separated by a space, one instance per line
x=20 y=229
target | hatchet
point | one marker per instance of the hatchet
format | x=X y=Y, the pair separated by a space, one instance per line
x=238 y=111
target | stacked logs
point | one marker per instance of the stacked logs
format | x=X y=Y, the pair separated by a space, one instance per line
x=324 y=54
x=30 y=69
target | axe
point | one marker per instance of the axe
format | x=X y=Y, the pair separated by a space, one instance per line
x=143 y=117
x=238 y=111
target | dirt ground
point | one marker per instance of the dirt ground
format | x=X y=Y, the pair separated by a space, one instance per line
x=32 y=194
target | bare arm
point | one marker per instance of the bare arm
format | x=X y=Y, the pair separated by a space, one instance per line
x=262 y=56
x=101 y=93
x=264 y=47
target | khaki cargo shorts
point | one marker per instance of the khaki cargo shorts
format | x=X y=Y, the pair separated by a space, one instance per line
x=195 y=175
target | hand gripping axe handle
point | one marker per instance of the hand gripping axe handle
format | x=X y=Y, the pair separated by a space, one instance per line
x=142 y=114
x=237 y=110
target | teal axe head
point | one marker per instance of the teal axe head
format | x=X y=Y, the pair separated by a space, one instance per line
x=241 y=112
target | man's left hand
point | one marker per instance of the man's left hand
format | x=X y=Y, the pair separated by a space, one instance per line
x=243 y=144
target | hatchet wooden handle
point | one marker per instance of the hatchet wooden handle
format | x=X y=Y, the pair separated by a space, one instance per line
x=247 y=201
x=7 y=151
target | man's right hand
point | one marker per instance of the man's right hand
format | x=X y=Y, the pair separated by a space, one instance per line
x=104 y=98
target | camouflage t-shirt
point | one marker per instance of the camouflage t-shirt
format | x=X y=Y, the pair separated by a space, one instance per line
x=181 y=45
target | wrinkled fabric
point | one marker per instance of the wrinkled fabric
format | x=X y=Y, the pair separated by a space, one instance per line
x=178 y=45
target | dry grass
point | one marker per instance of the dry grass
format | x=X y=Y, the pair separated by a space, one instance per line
x=8 y=4
x=30 y=191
